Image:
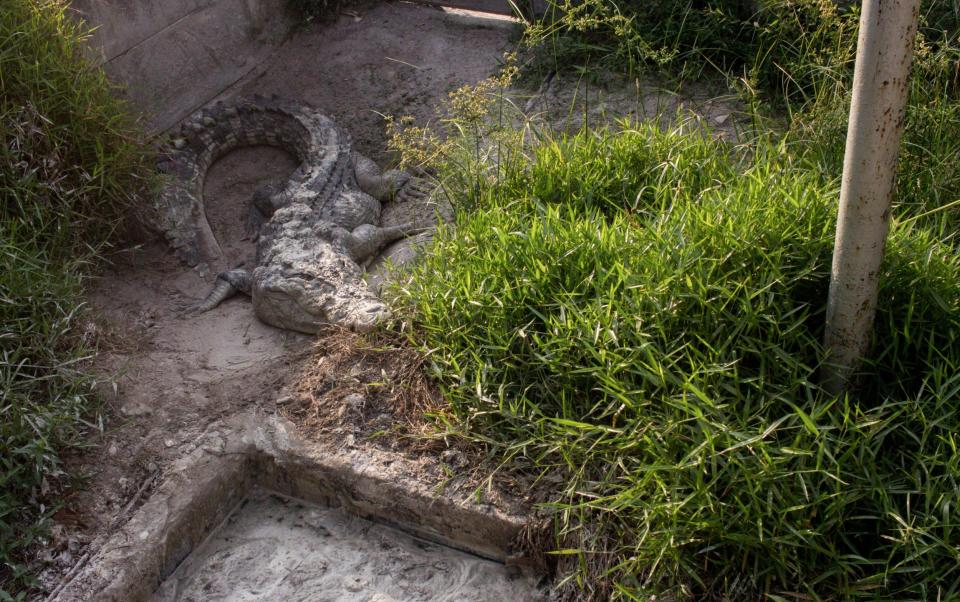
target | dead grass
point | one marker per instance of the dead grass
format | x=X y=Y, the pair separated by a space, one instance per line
x=376 y=384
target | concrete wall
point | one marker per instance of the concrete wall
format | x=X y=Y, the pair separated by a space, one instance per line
x=173 y=56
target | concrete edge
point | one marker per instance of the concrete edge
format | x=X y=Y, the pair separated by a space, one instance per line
x=202 y=489
x=345 y=478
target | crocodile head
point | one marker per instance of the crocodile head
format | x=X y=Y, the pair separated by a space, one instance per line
x=304 y=278
x=303 y=283
x=306 y=302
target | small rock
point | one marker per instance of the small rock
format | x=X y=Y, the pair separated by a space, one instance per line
x=356 y=585
x=284 y=400
x=721 y=119
x=355 y=401
x=152 y=467
x=112 y=450
x=453 y=458
x=65 y=559
x=382 y=422
x=169 y=442
x=350 y=440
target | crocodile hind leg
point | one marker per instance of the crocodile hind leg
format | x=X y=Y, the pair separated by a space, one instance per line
x=378 y=184
x=267 y=198
x=228 y=284
x=389 y=185
x=366 y=240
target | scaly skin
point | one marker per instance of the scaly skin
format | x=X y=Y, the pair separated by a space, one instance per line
x=317 y=231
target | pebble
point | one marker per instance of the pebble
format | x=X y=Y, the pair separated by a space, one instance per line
x=355 y=401
x=357 y=585
x=453 y=458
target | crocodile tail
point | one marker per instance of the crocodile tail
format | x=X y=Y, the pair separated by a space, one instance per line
x=322 y=149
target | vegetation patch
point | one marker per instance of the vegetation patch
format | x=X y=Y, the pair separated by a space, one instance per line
x=315 y=10
x=636 y=316
x=788 y=56
x=70 y=166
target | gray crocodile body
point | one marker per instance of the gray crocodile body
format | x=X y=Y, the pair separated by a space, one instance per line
x=317 y=231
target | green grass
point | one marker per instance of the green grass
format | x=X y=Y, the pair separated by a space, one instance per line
x=70 y=167
x=786 y=56
x=638 y=315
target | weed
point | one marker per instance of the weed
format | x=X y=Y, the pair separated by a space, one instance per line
x=316 y=10
x=795 y=56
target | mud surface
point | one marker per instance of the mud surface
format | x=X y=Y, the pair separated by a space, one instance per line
x=169 y=378
x=389 y=59
x=568 y=102
x=277 y=548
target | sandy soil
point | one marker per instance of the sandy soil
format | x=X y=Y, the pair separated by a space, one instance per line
x=388 y=59
x=569 y=102
x=318 y=553
x=169 y=378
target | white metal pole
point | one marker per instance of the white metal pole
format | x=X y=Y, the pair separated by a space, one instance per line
x=880 y=86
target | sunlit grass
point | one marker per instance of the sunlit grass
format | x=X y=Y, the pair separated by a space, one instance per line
x=637 y=315
x=792 y=57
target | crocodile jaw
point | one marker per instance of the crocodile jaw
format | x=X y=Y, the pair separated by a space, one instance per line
x=307 y=305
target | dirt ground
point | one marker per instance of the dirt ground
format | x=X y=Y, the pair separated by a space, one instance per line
x=168 y=378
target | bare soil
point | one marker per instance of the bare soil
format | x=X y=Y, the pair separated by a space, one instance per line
x=168 y=379
x=320 y=553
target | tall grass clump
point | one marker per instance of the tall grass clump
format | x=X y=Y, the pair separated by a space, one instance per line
x=928 y=179
x=636 y=316
x=789 y=56
x=70 y=167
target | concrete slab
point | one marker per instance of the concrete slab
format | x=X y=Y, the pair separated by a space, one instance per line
x=413 y=525
x=122 y=24
x=173 y=57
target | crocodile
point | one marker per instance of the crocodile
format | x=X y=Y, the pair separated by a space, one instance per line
x=315 y=233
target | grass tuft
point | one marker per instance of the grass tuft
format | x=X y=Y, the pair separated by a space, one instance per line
x=792 y=56
x=70 y=167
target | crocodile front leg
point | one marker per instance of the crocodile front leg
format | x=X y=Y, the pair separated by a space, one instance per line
x=228 y=284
